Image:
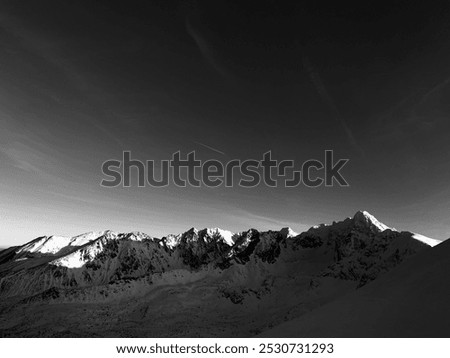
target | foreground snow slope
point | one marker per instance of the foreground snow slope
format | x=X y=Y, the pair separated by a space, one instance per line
x=411 y=301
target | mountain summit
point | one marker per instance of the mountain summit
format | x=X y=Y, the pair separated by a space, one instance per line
x=363 y=218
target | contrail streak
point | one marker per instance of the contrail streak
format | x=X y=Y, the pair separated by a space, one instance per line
x=209 y=147
x=433 y=90
x=205 y=49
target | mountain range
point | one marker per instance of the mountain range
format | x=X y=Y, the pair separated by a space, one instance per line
x=205 y=283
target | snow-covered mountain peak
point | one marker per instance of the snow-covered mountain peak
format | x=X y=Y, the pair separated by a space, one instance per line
x=225 y=234
x=171 y=240
x=193 y=235
x=87 y=237
x=365 y=219
x=287 y=233
x=137 y=236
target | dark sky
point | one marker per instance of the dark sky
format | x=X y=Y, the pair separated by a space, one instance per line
x=81 y=81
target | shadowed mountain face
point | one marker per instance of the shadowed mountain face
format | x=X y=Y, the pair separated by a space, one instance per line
x=208 y=282
x=411 y=301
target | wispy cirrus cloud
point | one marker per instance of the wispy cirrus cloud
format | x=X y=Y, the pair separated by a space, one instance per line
x=404 y=118
x=49 y=51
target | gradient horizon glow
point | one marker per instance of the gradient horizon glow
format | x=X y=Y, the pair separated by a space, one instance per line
x=81 y=82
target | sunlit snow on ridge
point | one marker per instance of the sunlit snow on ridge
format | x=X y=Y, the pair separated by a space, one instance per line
x=426 y=240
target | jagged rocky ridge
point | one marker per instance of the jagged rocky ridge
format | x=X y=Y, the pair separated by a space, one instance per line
x=356 y=249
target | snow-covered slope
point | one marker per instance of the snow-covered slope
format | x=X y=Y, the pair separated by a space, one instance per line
x=426 y=240
x=54 y=244
x=88 y=251
x=46 y=245
x=412 y=301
